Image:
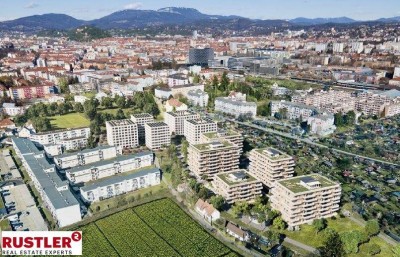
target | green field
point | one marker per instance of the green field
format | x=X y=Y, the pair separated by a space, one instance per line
x=71 y=120
x=158 y=228
x=307 y=235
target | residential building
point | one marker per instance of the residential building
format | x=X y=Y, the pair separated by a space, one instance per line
x=237 y=186
x=235 y=106
x=173 y=105
x=69 y=139
x=32 y=92
x=176 y=121
x=55 y=192
x=207 y=210
x=195 y=127
x=12 y=110
x=110 y=167
x=269 y=165
x=306 y=198
x=141 y=119
x=292 y=110
x=157 y=135
x=237 y=232
x=322 y=125
x=198 y=98
x=338 y=47
x=227 y=134
x=120 y=184
x=207 y=160
x=183 y=90
x=279 y=91
x=87 y=156
x=177 y=79
x=122 y=133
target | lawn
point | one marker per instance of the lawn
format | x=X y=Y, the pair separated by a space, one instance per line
x=71 y=120
x=5 y=225
x=158 y=228
x=308 y=236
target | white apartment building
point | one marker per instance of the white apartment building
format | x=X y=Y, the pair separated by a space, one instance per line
x=69 y=139
x=306 y=198
x=177 y=79
x=293 y=110
x=175 y=121
x=198 y=98
x=195 y=127
x=237 y=186
x=206 y=160
x=229 y=135
x=322 y=125
x=122 y=133
x=185 y=89
x=338 y=47
x=269 y=165
x=120 y=184
x=235 y=107
x=110 y=167
x=140 y=119
x=55 y=192
x=87 y=156
x=157 y=135
x=12 y=110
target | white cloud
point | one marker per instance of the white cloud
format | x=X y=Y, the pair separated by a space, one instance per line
x=133 y=6
x=31 y=5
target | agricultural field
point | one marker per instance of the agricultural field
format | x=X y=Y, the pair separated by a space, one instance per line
x=72 y=120
x=158 y=228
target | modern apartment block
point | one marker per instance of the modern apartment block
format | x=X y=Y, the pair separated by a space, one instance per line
x=230 y=135
x=237 y=186
x=212 y=158
x=194 y=128
x=55 y=192
x=293 y=110
x=157 y=135
x=122 y=133
x=306 y=198
x=235 y=107
x=68 y=139
x=175 y=121
x=120 y=184
x=140 y=119
x=110 y=167
x=87 y=156
x=269 y=165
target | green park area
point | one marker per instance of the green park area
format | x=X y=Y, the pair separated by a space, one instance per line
x=71 y=120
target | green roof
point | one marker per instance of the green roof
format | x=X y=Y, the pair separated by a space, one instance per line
x=293 y=184
x=225 y=177
x=280 y=154
x=209 y=146
x=213 y=135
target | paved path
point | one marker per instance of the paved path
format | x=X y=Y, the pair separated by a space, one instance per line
x=300 y=245
x=308 y=141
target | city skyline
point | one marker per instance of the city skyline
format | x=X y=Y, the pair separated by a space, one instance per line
x=273 y=9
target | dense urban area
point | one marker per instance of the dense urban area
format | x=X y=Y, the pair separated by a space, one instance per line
x=266 y=140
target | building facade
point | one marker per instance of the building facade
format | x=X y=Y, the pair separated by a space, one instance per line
x=237 y=186
x=269 y=165
x=69 y=139
x=176 y=121
x=141 y=119
x=306 y=198
x=122 y=133
x=195 y=127
x=157 y=135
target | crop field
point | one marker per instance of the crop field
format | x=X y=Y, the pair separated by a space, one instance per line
x=158 y=228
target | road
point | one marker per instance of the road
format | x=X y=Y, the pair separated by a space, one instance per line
x=308 y=141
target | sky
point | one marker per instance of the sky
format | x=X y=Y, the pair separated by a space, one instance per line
x=257 y=9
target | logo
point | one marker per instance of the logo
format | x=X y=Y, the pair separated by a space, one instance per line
x=41 y=243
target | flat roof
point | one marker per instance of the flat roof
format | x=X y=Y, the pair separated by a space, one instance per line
x=116 y=123
x=213 y=145
x=182 y=113
x=142 y=115
x=273 y=153
x=156 y=124
x=200 y=121
x=221 y=133
x=236 y=177
x=109 y=161
x=118 y=178
x=293 y=184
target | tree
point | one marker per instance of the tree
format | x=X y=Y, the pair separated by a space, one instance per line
x=320 y=224
x=338 y=119
x=279 y=223
x=203 y=193
x=120 y=101
x=217 y=201
x=264 y=110
x=78 y=107
x=333 y=246
x=372 y=228
x=372 y=248
x=224 y=82
x=63 y=83
x=350 y=118
x=120 y=115
x=351 y=240
x=107 y=102
x=41 y=124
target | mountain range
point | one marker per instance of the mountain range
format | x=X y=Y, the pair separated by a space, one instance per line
x=128 y=19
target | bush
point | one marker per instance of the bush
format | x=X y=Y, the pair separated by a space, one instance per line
x=371 y=248
x=372 y=228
